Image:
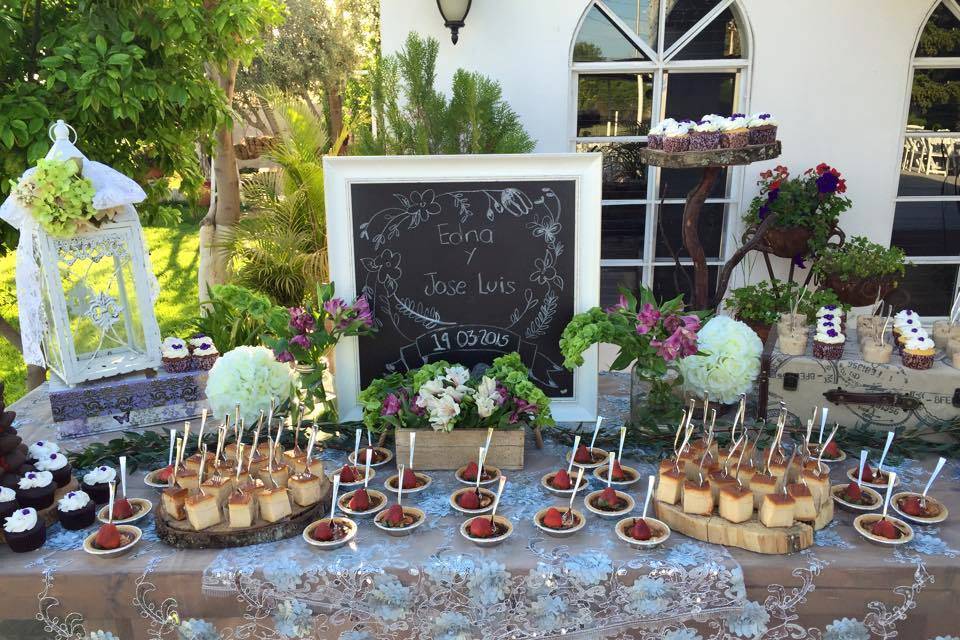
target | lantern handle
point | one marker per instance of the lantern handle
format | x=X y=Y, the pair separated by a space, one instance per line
x=60 y=130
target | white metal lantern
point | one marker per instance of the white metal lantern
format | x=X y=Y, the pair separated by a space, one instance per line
x=89 y=297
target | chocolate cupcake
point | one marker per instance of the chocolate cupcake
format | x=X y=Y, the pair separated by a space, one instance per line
x=175 y=355
x=655 y=135
x=828 y=344
x=203 y=354
x=733 y=132
x=676 y=139
x=41 y=449
x=705 y=135
x=24 y=531
x=58 y=465
x=36 y=490
x=76 y=511
x=8 y=502
x=97 y=483
x=762 y=129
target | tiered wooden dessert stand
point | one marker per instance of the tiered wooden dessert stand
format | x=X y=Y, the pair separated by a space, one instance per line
x=180 y=535
x=750 y=535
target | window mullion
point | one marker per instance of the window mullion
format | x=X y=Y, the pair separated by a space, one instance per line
x=627 y=31
x=695 y=30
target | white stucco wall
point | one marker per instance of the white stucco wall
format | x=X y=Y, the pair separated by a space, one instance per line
x=834 y=72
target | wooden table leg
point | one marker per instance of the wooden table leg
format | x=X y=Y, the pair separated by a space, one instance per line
x=691 y=235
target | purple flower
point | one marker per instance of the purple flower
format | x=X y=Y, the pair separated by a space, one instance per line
x=503 y=394
x=621 y=305
x=773 y=194
x=522 y=407
x=301 y=319
x=647 y=318
x=688 y=342
x=391 y=405
x=414 y=407
x=25 y=512
x=688 y=323
x=335 y=306
x=827 y=183
x=362 y=308
x=764 y=210
x=668 y=349
x=285 y=356
x=832 y=333
x=300 y=340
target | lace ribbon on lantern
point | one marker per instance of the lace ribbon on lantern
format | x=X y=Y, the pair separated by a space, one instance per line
x=113 y=191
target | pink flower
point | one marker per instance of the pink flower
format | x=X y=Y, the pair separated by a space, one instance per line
x=688 y=341
x=362 y=309
x=285 y=356
x=300 y=340
x=690 y=323
x=334 y=306
x=668 y=349
x=620 y=306
x=391 y=405
x=301 y=319
x=647 y=318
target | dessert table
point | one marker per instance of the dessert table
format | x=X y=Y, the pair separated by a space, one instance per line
x=435 y=584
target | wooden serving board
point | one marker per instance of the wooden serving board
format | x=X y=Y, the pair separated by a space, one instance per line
x=49 y=515
x=750 y=535
x=180 y=535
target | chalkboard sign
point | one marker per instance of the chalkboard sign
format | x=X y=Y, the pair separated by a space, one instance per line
x=464 y=269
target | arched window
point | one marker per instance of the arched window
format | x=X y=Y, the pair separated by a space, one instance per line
x=926 y=223
x=635 y=62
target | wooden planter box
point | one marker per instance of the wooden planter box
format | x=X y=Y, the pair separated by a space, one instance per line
x=442 y=450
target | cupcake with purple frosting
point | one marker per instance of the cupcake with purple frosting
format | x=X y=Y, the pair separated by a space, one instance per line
x=828 y=344
x=733 y=132
x=203 y=353
x=676 y=138
x=762 y=129
x=655 y=136
x=175 y=355
x=24 y=530
x=705 y=135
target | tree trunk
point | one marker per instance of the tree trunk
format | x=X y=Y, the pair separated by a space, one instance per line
x=334 y=113
x=224 y=211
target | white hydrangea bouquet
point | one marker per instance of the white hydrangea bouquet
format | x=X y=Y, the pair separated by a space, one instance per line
x=729 y=364
x=249 y=377
x=441 y=396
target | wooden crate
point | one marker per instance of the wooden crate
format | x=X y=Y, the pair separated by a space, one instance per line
x=442 y=450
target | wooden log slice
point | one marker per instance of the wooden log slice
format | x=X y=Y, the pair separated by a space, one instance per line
x=180 y=535
x=750 y=535
x=712 y=158
x=49 y=515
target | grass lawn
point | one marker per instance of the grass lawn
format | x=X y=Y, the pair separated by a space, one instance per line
x=175 y=257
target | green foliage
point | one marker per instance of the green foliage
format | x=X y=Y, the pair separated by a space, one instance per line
x=279 y=248
x=235 y=316
x=411 y=116
x=763 y=303
x=860 y=258
x=58 y=197
x=127 y=75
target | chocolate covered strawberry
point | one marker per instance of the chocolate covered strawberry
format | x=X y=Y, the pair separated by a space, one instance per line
x=360 y=501
x=561 y=480
x=553 y=518
x=608 y=499
x=410 y=479
x=122 y=509
x=394 y=516
x=884 y=529
x=348 y=474
x=323 y=532
x=469 y=500
x=471 y=471
x=583 y=455
x=640 y=530
x=108 y=537
x=481 y=528
x=618 y=473
x=853 y=493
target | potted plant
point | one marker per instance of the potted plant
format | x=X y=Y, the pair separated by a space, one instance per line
x=807 y=209
x=450 y=408
x=651 y=335
x=861 y=271
x=760 y=305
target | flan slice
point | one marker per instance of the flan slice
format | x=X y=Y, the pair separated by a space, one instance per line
x=746 y=473
x=693 y=465
x=777 y=510
x=669 y=485
x=762 y=484
x=304 y=489
x=189 y=480
x=804 y=508
x=202 y=511
x=819 y=484
x=193 y=462
x=736 y=503
x=173 y=499
x=273 y=504
x=230 y=452
x=697 y=498
x=241 y=509
x=220 y=488
x=279 y=477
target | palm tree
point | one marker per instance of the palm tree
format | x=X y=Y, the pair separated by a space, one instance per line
x=279 y=248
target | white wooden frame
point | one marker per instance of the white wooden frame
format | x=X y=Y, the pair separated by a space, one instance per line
x=926 y=63
x=661 y=62
x=341 y=173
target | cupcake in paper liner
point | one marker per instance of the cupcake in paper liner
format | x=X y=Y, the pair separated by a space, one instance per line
x=175 y=355
x=918 y=352
x=705 y=135
x=203 y=353
x=828 y=344
x=910 y=333
x=676 y=138
x=655 y=136
x=762 y=129
x=733 y=132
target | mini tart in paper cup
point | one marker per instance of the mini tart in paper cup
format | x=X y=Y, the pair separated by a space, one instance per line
x=600 y=473
x=487 y=499
x=864 y=522
x=589 y=500
x=381 y=456
x=579 y=522
x=417 y=515
x=599 y=458
x=349 y=525
x=852 y=476
x=815 y=451
x=490 y=475
x=548 y=478
x=126 y=530
x=378 y=501
x=355 y=483
x=423 y=481
x=151 y=480
x=836 y=492
x=141 y=507
x=938 y=511
x=659 y=532
x=504 y=530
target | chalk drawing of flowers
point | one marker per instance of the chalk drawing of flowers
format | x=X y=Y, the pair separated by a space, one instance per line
x=386 y=266
x=514 y=202
x=545 y=227
x=546 y=271
x=420 y=206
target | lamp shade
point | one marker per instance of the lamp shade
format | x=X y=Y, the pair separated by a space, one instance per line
x=454 y=14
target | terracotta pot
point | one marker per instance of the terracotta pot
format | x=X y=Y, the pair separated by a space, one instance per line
x=762 y=330
x=860 y=292
x=787 y=242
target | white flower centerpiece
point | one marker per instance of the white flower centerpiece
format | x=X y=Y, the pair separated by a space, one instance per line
x=451 y=409
x=249 y=377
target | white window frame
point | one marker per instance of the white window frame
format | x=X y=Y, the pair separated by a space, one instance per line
x=923 y=63
x=661 y=63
